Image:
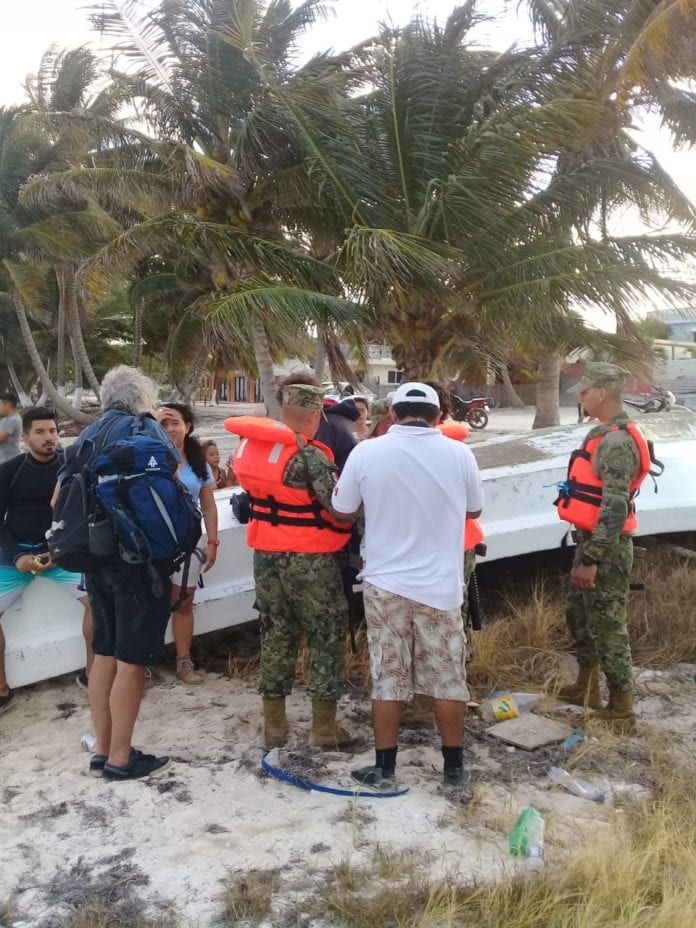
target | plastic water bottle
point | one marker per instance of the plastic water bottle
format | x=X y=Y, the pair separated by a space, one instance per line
x=527 y=838
x=88 y=742
x=580 y=788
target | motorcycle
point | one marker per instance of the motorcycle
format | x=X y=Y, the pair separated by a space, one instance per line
x=663 y=399
x=474 y=411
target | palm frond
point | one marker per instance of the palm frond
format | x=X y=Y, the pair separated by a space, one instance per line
x=654 y=50
x=279 y=307
x=209 y=245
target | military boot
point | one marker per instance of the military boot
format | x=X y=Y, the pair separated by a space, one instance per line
x=419 y=714
x=326 y=733
x=585 y=691
x=619 y=714
x=275 y=725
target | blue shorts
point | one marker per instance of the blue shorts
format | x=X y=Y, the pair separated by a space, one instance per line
x=13 y=583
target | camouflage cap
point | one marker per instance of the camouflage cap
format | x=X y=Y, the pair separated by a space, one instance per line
x=302 y=394
x=602 y=375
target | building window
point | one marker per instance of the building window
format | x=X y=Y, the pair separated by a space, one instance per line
x=240 y=389
x=394 y=376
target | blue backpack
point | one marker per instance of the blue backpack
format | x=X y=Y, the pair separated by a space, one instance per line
x=123 y=499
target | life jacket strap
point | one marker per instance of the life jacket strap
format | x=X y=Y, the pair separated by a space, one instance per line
x=268 y=509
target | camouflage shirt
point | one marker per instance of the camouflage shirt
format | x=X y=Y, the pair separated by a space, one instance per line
x=615 y=462
x=311 y=464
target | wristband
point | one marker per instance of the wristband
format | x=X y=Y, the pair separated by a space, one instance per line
x=588 y=561
x=215 y=543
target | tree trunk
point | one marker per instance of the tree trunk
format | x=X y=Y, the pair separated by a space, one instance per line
x=24 y=400
x=59 y=401
x=320 y=356
x=200 y=359
x=76 y=330
x=137 y=332
x=60 y=351
x=43 y=396
x=548 y=400
x=264 y=362
x=165 y=355
x=511 y=396
x=77 y=395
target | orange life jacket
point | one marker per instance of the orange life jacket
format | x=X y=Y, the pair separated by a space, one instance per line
x=281 y=518
x=581 y=494
x=460 y=431
x=473 y=534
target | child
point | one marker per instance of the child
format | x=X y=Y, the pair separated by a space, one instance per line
x=212 y=456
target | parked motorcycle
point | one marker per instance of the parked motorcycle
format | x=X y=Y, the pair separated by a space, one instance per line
x=661 y=399
x=474 y=411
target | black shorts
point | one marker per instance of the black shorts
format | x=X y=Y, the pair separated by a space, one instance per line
x=129 y=621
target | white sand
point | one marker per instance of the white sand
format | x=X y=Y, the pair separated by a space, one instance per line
x=210 y=815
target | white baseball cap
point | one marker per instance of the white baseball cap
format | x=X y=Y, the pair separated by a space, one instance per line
x=416 y=393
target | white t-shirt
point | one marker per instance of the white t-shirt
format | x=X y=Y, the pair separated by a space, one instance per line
x=417 y=486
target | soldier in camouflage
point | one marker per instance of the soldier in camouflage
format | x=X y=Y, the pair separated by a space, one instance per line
x=596 y=611
x=301 y=594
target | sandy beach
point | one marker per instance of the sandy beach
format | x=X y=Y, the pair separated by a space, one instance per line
x=170 y=844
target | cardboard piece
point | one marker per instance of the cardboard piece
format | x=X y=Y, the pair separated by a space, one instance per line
x=530 y=732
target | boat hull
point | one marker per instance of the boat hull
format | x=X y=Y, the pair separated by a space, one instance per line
x=44 y=635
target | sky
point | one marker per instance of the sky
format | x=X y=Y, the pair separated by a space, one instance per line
x=31 y=26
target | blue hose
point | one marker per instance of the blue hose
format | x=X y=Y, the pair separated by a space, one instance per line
x=332 y=790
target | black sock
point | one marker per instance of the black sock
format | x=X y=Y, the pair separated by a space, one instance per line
x=385 y=758
x=454 y=757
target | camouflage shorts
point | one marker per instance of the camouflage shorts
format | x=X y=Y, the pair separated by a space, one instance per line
x=414 y=648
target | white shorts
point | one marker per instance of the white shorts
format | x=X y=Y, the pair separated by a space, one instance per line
x=195 y=570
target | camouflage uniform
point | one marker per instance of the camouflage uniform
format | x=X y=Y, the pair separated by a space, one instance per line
x=469 y=568
x=597 y=618
x=302 y=594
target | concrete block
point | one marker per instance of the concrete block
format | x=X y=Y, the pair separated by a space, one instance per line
x=530 y=731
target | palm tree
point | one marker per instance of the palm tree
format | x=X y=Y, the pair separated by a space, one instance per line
x=448 y=174
x=234 y=189
x=36 y=243
x=28 y=241
x=626 y=56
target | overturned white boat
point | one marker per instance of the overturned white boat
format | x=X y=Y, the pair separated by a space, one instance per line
x=520 y=473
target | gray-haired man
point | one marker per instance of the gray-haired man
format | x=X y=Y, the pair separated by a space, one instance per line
x=129 y=619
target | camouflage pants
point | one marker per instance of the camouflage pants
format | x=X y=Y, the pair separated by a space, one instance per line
x=597 y=618
x=300 y=595
x=469 y=568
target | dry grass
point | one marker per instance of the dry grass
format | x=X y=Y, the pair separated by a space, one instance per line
x=663 y=618
x=523 y=646
x=348 y=878
x=395 y=865
x=241 y=667
x=249 y=896
x=98 y=916
x=642 y=874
